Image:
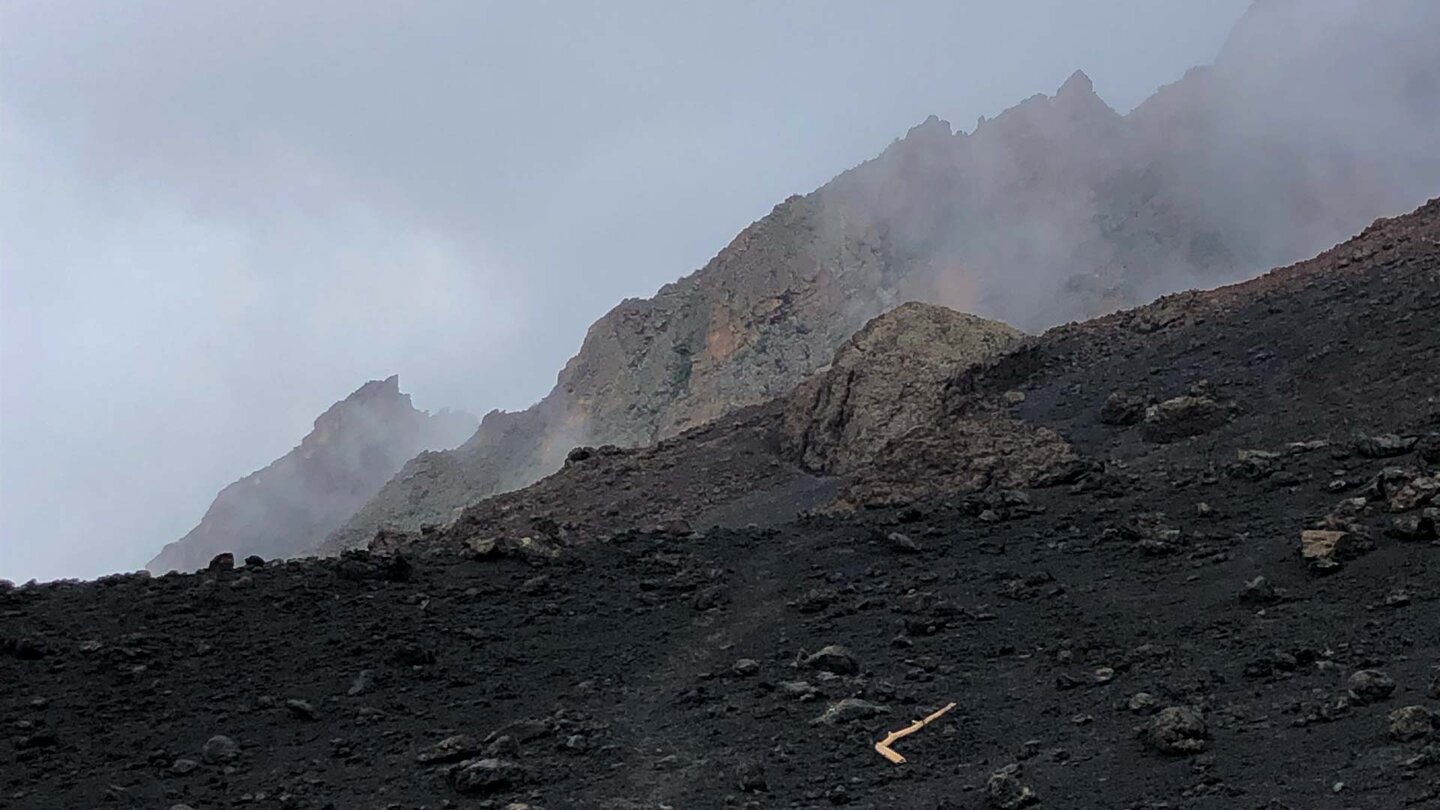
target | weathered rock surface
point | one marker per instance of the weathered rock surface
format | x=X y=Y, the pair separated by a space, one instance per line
x=1177 y=730
x=1413 y=723
x=1182 y=417
x=885 y=382
x=1327 y=549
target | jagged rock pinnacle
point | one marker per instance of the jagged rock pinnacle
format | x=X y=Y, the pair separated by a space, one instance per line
x=1078 y=84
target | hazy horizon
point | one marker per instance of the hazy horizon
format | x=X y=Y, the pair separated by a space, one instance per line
x=218 y=220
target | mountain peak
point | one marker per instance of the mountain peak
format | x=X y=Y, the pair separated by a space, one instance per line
x=1076 y=86
x=354 y=448
x=390 y=386
x=932 y=128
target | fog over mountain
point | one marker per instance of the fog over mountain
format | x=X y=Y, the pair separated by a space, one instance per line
x=220 y=219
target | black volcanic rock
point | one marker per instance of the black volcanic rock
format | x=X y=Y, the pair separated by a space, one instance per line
x=292 y=504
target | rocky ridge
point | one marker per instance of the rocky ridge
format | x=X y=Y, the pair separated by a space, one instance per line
x=1056 y=209
x=355 y=446
x=964 y=416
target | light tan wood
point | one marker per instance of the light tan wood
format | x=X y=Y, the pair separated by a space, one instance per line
x=883 y=747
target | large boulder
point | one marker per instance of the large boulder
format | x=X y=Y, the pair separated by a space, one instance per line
x=489 y=775
x=1326 y=549
x=1182 y=417
x=1178 y=731
x=887 y=380
x=1413 y=723
x=963 y=456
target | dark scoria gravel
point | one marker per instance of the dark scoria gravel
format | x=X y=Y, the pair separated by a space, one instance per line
x=658 y=671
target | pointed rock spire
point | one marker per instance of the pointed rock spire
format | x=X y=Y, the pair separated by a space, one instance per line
x=1077 y=85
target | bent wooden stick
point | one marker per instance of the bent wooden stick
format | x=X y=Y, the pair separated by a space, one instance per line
x=883 y=747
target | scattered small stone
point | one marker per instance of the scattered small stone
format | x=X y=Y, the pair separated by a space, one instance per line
x=451 y=749
x=302 y=709
x=677 y=527
x=1325 y=549
x=1178 y=730
x=1417 y=492
x=1121 y=409
x=502 y=746
x=359 y=564
x=25 y=648
x=750 y=778
x=1435 y=688
x=487 y=776
x=834 y=658
x=1014 y=397
x=182 y=766
x=1143 y=703
x=255 y=561
x=1255 y=465
x=1370 y=686
x=362 y=683
x=413 y=655
x=1429 y=447
x=1259 y=591
x=1385 y=445
x=219 y=749
x=1397 y=598
x=1413 y=723
x=1005 y=791
x=223 y=561
x=902 y=543
x=745 y=667
x=798 y=689
x=1182 y=417
x=40 y=739
x=849 y=710
x=1420 y=526
x=707 y=598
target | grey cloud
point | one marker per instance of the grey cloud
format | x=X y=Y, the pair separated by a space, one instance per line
x=218 y=218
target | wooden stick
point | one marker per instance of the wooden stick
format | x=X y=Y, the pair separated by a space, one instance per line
x=883 y=747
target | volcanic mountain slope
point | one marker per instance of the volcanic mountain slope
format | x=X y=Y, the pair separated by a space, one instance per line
x=355 y=446
x=978 y=408
x=1155 y=632
x=1058 y=208
x=764 y=463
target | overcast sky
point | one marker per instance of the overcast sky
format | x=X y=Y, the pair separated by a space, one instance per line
x=217 y=218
